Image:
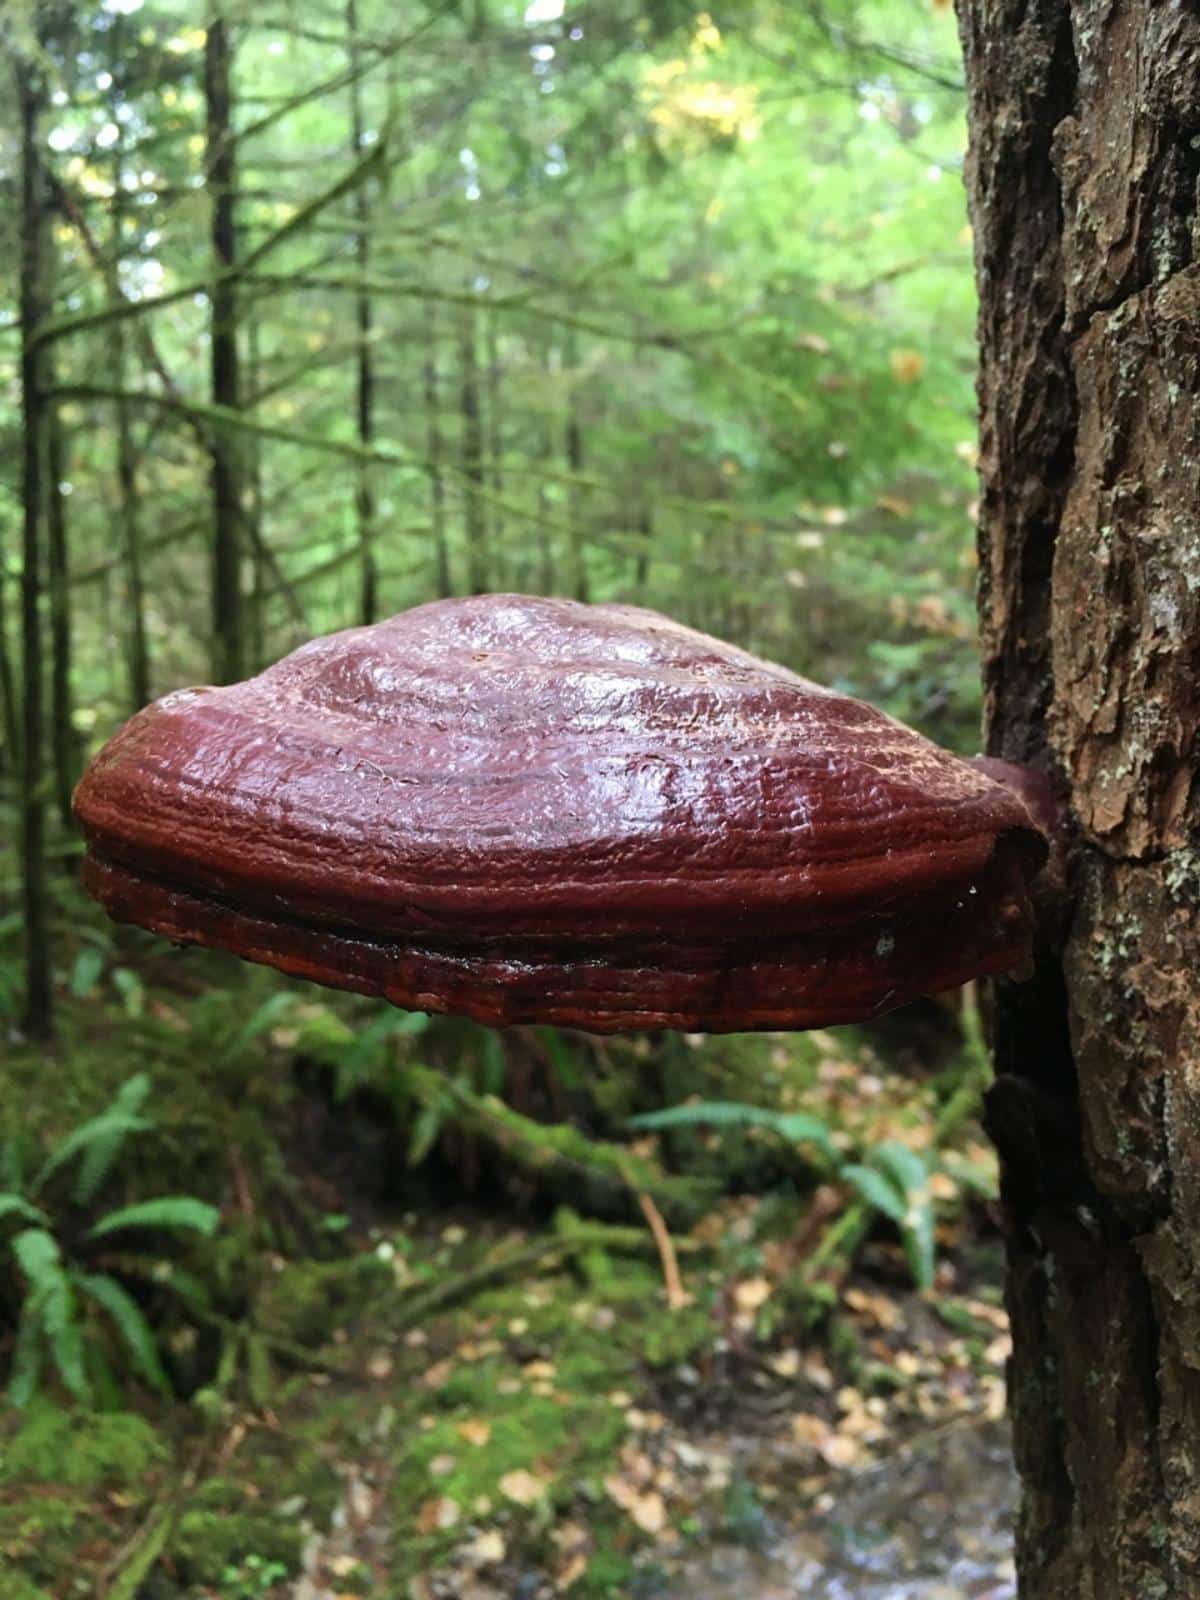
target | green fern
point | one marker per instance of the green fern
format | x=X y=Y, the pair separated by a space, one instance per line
x=172 y=1211
x=98 y=1141
x=14 y=1205
x=797 y=1127
x=55 y=1320
x=894 y=1181
x=52 y=1305
x=126 y=1316
x=102 y=1151
x=28 y=1357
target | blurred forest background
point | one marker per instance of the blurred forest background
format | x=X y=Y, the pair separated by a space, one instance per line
x=316 y=311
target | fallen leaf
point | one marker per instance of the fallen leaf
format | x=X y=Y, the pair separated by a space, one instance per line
x=486 y=1549
x=648 y=1510
x=475 y=1431
x=522 y=1487
x=572 y=1571
x=752 y=1293
x=438 y=1514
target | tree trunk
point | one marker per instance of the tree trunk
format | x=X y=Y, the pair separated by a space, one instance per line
x=63 y=743
x=495 y=432
x=577 y=573
x=38 y=995
x=471 y=447
x=10 y=725
x=137 y=646
x=259 y=555
x=1085 y=151
x=435 y=450
x=137 y=643
x=368 y=603
x=227 y=632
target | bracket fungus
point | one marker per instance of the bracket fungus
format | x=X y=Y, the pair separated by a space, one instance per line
x=527 y=809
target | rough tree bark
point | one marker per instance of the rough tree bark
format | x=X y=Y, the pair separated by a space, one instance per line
x=1085 y=153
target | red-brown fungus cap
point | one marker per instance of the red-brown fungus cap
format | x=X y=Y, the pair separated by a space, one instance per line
x=531 y=810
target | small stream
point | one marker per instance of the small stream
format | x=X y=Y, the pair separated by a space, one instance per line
x=933 y=1522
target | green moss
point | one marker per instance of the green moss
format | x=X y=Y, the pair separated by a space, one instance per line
x=551 y=1382
x=208 y=1543
x=79 y=1450
x=307 y=1300
x=608 y=1573
x=16 y=1586
x=39 y=1535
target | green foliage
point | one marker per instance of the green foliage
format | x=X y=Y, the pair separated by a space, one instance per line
x=252 y=1578
x=894 y=1181
x=796 y=1127
x=891 y=1180
x=171 y=1212
x=73 y=1306
x=78 y=1449
x=236 y=1547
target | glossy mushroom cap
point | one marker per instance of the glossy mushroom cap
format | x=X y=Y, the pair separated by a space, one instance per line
x=530 y=810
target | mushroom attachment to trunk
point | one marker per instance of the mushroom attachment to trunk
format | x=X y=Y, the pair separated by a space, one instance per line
x=530 y=810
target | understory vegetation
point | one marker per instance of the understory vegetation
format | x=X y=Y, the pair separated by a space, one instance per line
x=430 y=1306
x=326 y=310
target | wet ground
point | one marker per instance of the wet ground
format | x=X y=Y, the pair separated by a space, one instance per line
x=931 y=1522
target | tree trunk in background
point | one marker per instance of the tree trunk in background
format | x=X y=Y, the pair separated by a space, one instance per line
x=10 y=726
x=495 y=447
x=577 y=573
x=136 y=643
x=471 y=445
x=259 y=556
x=227 y=639
x=364 y=493
x=137 y=646
x=58 y=579
x=435 y=450
x=1085 y=150
x=38 y=996
x=645 y=531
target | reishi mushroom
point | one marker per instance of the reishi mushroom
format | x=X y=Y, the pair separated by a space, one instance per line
x=525 y=809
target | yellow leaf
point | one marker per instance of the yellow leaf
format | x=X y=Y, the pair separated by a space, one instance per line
x=647 y=1510
x=475 y=1431
x=907 y=365
x=752 y=1293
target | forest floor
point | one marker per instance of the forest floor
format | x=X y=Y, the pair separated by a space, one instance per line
x=477 y=1381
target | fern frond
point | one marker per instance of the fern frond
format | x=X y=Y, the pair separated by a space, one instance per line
x=52 y=1302
x=795 y=1126
x=168 y=1211
x=127 y=1318
x=38 y=1256
x=101 y=1153
x=14 y=1205
x=106 y=1132
x=28 y=1357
